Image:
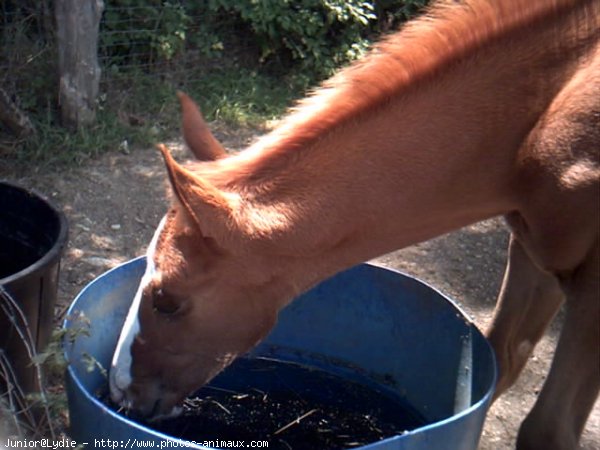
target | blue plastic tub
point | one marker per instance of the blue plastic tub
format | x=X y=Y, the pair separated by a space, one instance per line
x=367 y=322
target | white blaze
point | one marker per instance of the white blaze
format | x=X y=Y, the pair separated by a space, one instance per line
x=120 y=370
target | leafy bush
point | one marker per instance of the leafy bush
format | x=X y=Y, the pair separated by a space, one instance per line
x=393 y=12
x=312 y=36
x=245 y=60
x=318 y=34
x=142 y=31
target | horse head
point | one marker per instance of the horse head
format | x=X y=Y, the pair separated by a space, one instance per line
x=202 y=300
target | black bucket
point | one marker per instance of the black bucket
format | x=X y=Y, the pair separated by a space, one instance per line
x=33 y=235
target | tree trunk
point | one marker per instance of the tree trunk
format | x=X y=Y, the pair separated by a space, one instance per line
x=77 y=23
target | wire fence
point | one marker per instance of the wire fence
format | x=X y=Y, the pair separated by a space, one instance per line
x=24 y=414
x=146 y=47
x=130 y=41
x=165 y=42
x=164 y=38
x=245 y=61
x=24 y=42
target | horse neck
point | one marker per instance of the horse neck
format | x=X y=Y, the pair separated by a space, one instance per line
x=438 y=155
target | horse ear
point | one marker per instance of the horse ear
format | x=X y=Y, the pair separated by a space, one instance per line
x=196 y=133
x=206 y=205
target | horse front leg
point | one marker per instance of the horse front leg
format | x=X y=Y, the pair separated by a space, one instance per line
x=528 y=301
x=569 y=393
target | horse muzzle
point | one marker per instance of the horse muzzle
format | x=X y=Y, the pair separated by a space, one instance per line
x=149 y=401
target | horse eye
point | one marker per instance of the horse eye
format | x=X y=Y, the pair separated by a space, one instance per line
x=163 y=304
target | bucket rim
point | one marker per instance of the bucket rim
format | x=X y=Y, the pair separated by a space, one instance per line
x=57 y=247
x=482 y=404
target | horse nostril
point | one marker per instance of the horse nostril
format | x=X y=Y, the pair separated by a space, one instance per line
x=155 y=408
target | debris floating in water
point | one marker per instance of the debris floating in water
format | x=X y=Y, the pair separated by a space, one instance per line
x=292 y=406
x=295 y=421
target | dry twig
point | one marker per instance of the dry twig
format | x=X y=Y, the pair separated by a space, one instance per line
x=295 y=421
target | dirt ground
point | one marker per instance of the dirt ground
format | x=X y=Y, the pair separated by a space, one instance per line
x=114 y=202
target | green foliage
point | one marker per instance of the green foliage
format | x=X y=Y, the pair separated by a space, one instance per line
x=53 y=356
x=312 y=37
x=27 y=60
x=398 y=11
x=128 y=117
x=315 y=37
x=318 y=34
x=243 y=60
x=142 y=31
x=244 y=97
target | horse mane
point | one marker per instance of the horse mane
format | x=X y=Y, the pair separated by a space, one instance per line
x=447 y=32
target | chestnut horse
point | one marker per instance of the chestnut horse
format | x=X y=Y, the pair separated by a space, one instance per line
x=480 y=108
